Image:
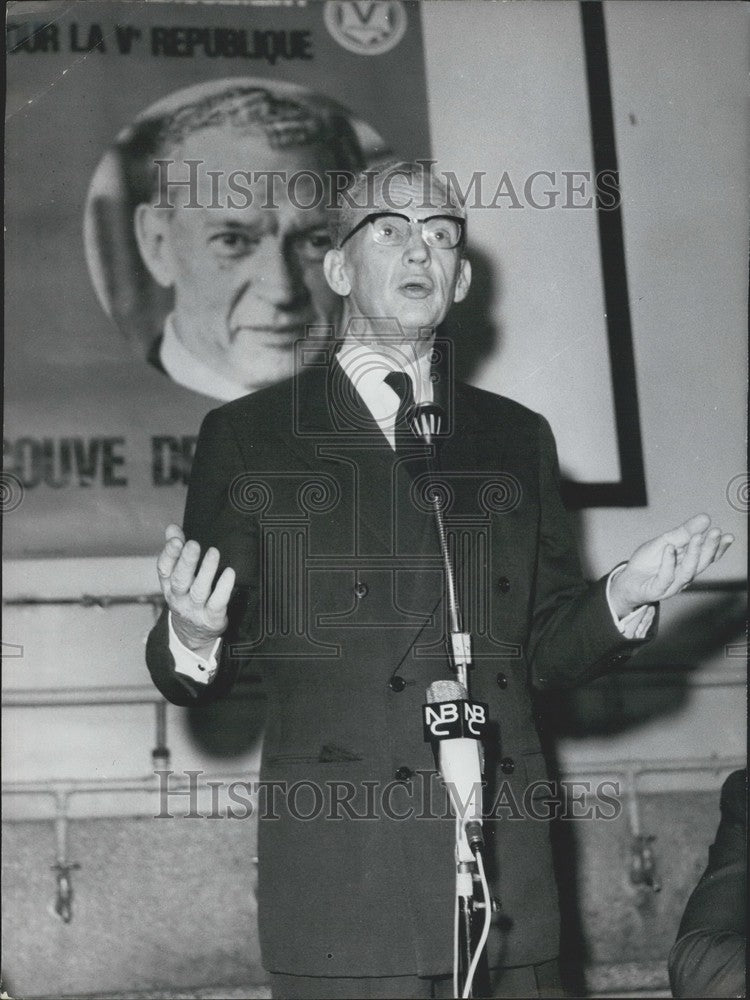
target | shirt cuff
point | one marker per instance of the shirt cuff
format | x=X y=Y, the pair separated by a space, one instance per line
x=190 y=664
x=638 y=622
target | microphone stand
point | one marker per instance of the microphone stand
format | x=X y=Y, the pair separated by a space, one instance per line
x=425 y=422
x=460 y=641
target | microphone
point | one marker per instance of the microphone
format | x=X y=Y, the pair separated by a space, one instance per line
x=448 y=715
x=426 y=421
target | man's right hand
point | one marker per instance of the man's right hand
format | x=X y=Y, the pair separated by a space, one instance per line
x=199 y=611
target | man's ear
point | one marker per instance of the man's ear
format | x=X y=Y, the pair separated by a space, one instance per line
x=153 y=242
x=463 y=281
x=336 y=276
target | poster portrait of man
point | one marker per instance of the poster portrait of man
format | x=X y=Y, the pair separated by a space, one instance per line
x=228 y=185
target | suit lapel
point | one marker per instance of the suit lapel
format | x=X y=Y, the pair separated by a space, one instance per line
x=333 y=428
x=333 y=431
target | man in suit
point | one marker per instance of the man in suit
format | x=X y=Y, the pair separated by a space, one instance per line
x=709 y=957
x=310 y=494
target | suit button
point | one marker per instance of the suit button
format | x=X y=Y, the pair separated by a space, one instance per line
x=397 y=684
x=360 y=589
x=503 y=584
x=507 y=765
x=619 y=658
x=502 y=681
x=403 y=773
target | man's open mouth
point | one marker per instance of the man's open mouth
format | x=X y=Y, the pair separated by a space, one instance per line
x=416 y=288
x=282 y=332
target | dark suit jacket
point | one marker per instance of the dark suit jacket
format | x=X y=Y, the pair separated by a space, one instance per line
x=709 y=956
x=339 y=603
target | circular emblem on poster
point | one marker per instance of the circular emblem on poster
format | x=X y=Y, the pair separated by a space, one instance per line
x=367 y=27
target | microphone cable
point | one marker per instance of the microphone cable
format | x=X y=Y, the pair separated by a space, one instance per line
x=456 y=920
x=485 y=928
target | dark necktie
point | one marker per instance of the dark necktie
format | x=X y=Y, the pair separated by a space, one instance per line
x=402 y=386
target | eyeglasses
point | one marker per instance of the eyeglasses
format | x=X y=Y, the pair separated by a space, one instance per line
x=389 y=229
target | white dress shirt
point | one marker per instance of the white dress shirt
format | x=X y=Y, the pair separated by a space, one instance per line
x=192 y=373
x=367 y=370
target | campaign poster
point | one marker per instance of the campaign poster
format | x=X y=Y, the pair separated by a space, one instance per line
x=122 y=334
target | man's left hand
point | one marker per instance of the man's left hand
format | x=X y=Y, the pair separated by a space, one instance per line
x=667 y=564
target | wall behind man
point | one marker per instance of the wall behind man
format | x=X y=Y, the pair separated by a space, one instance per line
x=681 y=137
x=681 y=133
